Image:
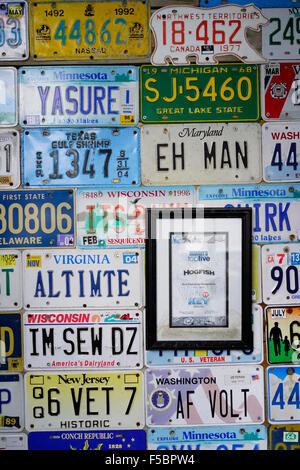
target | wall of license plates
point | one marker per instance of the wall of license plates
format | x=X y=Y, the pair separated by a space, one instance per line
x=108 y=108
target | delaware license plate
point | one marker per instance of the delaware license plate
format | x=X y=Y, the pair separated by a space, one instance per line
x=11 y=342
x=11 y=402
x=258 y=3
x=18 y=441
x=284 y=437
x=280 y=273
x=78 y=96
x=205 y=396
x=282 y=330
x=9 y=159
x=281 y=37
x=283 y=394
x=37 y=218
x=14 y=33
x=90 y=30
x=89 y=340
x=11 y=280
x=188 y=154
x=111 y=218
x=8 y=96
x=80 y=279
x=227 y=92
x=69 y=401
x=83 y=157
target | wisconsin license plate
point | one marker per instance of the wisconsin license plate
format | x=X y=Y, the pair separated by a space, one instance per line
x=89 y=340
x=90 y=30
x=227 y=92
x=11 y=342
x=69 y=401
x=283 y=394
x=281 y=37
x=284 y=437
x=258 y=3
x=71 y=157
x=282 y=330
x=206 y=396
x=18 y=441
x=11 y=280
x=9 y=159
x=78 y=96
x=8 y=96
x=11 y=402
x=80 y=279
x=189 y=154
x=14 y=31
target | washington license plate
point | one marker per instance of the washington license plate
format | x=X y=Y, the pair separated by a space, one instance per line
x=281 y=37
x=283 y=394
x=11 y=284
x=283 y=336
x=8 y=96
x=11 y=342
x=14 y=33
x=82 y=400
x=71 y=157
x=9 y=159
x=284 y=437
x=78 y=96
x=11 y=402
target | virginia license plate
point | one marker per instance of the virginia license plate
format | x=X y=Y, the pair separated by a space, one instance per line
x=86 y=96
x=258 y=3
x=83 y=157
x=89 y=340
x=282 y=330
x=206 y=396
x=11 y=342
x=11 y=402
x=18 y=441
x=8 y=97
x=281 y=37
x=187 y=154
x=90 y=30
x=11 y=280
x=9 y=159
x=283 y=394
x=194 y=93
x=80 y=279
x=82 y=400
x=284 y=437
x=14 y=33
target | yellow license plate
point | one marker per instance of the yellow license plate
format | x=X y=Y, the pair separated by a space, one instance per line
x=89 y=30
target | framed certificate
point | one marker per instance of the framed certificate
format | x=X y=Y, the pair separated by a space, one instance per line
x=199 y=278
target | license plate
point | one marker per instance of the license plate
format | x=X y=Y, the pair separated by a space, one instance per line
x=256 y=274
x=37 y=218
x=208 y=438
x=89 y=340
x=258 y=3
x=116 y=218
x=283 y=334
x=284 y=437
x=9 y=159
x=8 y=97
x=205 y=34
x=227 y=92
x=283 y=394
x=186 y=154
x=15 y=442
x=205 y=396
x=11 y=402
x=69 y=401
x=83 y=157
x=86 y=96
x=14 y=33
x=11 y=343
x=81 y=279
x=76 y=30
x=280 y=273
x=280 y=37
x=11 y=280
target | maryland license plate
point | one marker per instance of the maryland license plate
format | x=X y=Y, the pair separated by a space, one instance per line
x=18 y=441
x=8 y=96
x=11 y=342
x=227 y=92
x=78 y=96
x=281 y=37
x=11 y=402
x=284 y=437
x=14 y=33
x=283 y=394
x=89 y=340
x=11 y=283
x=9 y=159
x=83 y=157
x=283 y=338
x=93 y=400
x=90 y=30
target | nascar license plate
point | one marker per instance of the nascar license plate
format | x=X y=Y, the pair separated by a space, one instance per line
x=14 y=34
x=8 y=96
x=9 y=159
x=11 y=342
x=283 y=338
x=283 y=394
x=11 y=280
x=69 y=401
x=78 y=96
x=284 y=437
x=281 y=37
x=71 y=157
x=11 y=402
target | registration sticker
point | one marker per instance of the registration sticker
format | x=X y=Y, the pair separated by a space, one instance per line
x=283 y=394
x=11 y=342
x=283 y=339
x=18 y=441
x=11 y=284
x=11 y=402
x=9 y=159
x=8 y=96
x=14 y=43
x=284 y=437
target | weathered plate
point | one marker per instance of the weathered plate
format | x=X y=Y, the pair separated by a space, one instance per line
x=14 y=43
x=8 y=97
x=12 y=402
x=9 y=159
x=11 y=342
x=17 y=441
x=284 y=437
x=258 y=3
x=11 y=280
x=281 y=36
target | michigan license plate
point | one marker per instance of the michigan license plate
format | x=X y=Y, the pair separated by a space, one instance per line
x=90 y=30
x=11 y=402
x=282 y=330
x=14 y=34
x=11 y=342
x=11 y=280
x=283 y=394
x=281 y=37
x=78 y=96
x=9 y=159
x=84 y=400
x=83 y=157
x=8 y=97
x=284 y=437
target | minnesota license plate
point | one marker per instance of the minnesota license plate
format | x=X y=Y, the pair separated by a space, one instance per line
x=14 y=34
x=11 y=280
x=18 y=441
x=90 y=30
x=258 y=3
x=280 y=273
x=9 y=159
x=283 y=337
x=89 y=340
x=283 y=394
x=83 y=157
x=80 y=279
x=37 y=218
x=78 y=96
x=112 y=218
x=193 y=93
x=281 y=37
x=284 y=437
x=93 y=400
x=11 y=342
x=192 y=153
x=8 y=96
x=11 y=402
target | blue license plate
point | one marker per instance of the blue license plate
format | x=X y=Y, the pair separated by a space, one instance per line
x=79 y=157
x=284 y=437
x=258 y=3
x=37 y=218
x=11 y=351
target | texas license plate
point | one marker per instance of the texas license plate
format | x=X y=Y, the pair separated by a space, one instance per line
x=188 y=153
x=8 y=97
x=280 y=273
x=89 y=340
x=11 y=402
x=90 y=30
x=37 y=218
x=283 y=394
x=11 y=280
x=258 y=3
x=207 y=395
x=9 y=159
x=80 y=279
x=11 y=342
x=83 y=157
x=84 y=400
x=18 y=441
x=14 y=33
x=281 y=37
x=284 y=437
x=282 y=330
x=194 y=93
x=86 y=96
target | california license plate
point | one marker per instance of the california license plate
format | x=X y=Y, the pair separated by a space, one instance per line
x=14 y=33
x=9 y=159
x=18 y=441
x=258 y=3
x=83 y=157
x=86 y=96
x=78 y=279
x=281 y=37
x=90 y=30
x=11 y=280
x=8 y=97
x=282 y=330
x=89 y=340
x=11 y=402
x=283 y=394
x=284 y=437
x=194 y=93
x=84 y=400
x=11 y=342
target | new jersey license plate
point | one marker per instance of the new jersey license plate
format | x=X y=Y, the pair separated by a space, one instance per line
x=14 y=33
x=11 y=342
x=8 y=97
x=11 y=402
x=11 y=284
x=9 y=159
x=284 y=437
x=78 y=96
x=83 y=157
x=281 y=36
x=283 y=394
x=282 y=330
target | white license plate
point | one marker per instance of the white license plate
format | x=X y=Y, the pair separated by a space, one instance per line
x=11 y=402
x=281 y=36
x=89 y=340
x=13 y=442
x=9 y=159
x=281 y=274
x=188 y=154
x=11 y=280
x=81 y=279
x=14 y=31
x=283 y=384
x=8 y=97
